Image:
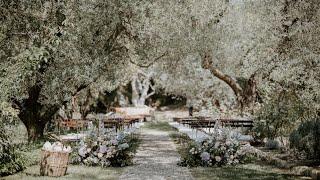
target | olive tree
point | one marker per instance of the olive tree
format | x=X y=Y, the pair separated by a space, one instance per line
x=257 y=48
x=53 y=50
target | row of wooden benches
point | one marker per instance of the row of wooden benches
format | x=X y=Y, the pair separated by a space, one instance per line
x=209 y=122
x=110 y=122
x=120 y=123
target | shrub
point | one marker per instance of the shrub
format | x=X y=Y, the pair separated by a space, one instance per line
x=307 y=138
x=279 y=116
x=273 y=144
x=11 y=160
x=107 y=150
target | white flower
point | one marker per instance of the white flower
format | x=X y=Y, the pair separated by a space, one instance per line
x=231 y=157
x=100 y=155
x=95 y=160
x=105 y=163
x=57 y=148
x=216 y=145
x=217 y=158
x=100 y=139
x=82 y=151
x=47 y=146
x=67 y=149
x=124 y=146
x=95 y=143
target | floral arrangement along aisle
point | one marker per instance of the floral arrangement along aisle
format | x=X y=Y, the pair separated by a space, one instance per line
x=109 y=149
x=221 y=148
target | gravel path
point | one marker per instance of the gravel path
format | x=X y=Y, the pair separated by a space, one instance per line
x=156 y=159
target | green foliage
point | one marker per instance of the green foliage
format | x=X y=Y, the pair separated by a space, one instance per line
x=51 y=51
x=11 y=160
x=307 y=138
x=279 y=116
x=31 y=152
x=272 y=144
x=188 y=159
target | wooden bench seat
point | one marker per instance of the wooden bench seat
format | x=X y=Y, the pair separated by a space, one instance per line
x=207 y=122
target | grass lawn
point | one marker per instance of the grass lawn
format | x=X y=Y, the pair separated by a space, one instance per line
x=31 y=153
x=256 y=170
x=162 y=126
x=74 y=172
x=250 y=171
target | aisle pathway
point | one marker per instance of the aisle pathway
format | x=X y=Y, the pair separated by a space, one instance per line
x=156 y=159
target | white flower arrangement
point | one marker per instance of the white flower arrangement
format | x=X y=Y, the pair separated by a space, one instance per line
x=56 y=147
x=222 y=148
x=110 y=149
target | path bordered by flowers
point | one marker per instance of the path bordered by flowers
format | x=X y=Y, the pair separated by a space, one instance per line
x=156 y=159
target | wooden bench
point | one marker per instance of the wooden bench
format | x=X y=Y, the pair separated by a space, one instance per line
x=207 y=122
x=73 y=124
x=236 y=123
x=121 y=122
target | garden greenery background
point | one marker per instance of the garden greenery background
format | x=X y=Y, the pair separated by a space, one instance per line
x=259 y=58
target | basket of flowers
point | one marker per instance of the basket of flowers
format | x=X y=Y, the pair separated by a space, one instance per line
x=54 y=159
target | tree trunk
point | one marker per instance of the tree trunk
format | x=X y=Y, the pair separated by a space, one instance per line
x=35 y=120
x=246 y=95
x=85 y=106
x=35 y=130
x=33 y=114
x=140 y=86
x=122 y=99
x=250 y=91
x=135 y=92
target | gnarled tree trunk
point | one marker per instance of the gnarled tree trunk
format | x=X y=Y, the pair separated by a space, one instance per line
x=34 y=115
x=141 y=84
x=246 y=95
x=85 y=106
x=35 y=129
x=121 y=97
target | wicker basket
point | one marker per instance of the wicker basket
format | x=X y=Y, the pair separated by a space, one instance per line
x=53 y=163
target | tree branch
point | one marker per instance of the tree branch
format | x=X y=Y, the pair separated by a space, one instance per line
x=16 y=104
x=151 y=94
x=151 y=63
x=207 y=64
x=109 y=46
